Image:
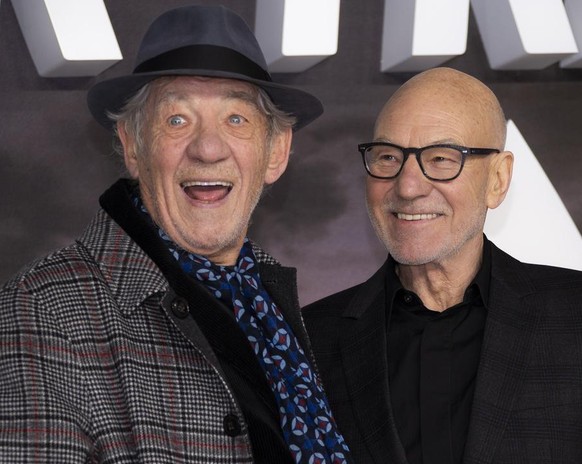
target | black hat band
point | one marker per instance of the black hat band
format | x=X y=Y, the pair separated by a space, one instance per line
x=204 y=57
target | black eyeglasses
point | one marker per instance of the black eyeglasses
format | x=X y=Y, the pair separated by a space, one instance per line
x=439 y=162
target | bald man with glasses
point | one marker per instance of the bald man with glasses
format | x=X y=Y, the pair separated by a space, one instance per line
x=453 y=351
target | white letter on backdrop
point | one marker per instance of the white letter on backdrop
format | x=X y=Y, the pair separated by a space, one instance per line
x=574 y=11
x=68 y=38
x=297 y=34
x=524 y=34
x=421 y=34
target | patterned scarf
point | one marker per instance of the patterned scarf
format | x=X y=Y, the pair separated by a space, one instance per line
x=305 y=417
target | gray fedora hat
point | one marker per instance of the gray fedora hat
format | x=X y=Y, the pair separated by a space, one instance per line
x=208 y=41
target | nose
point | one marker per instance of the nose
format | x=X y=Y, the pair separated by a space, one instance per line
x=207 y=144
x=411 y=182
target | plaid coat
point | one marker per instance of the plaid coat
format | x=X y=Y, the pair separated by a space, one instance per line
x=99 y=363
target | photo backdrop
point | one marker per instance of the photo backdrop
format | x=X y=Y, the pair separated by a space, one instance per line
x=55 y=160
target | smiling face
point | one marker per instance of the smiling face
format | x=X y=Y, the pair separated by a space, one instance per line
x=207 y=155
x=427 y=222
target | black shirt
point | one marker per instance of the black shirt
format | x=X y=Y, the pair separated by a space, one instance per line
x=432 y=360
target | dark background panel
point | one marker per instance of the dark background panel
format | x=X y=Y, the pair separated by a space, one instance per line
x=55 y=161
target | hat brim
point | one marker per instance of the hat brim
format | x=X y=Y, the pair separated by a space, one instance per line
x=111 y=95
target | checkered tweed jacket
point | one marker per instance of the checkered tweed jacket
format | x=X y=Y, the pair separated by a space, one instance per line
x=95 y=366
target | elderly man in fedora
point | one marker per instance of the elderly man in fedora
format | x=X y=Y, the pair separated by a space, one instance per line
x=164 y=334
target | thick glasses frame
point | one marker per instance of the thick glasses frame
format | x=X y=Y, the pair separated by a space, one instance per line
x=407 y=151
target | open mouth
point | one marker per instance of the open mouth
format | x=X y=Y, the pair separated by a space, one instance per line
x=207 y=192
x=415 y=217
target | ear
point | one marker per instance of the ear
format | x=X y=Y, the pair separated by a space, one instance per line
x=501 y=169
x=279 y=156
x=129 y=151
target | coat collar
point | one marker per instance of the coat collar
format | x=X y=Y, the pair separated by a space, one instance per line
x=130 y=274
x=366 y=299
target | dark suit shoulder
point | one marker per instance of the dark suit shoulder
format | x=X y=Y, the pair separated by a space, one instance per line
x=537 y=277
x=549 y=276
x=324 y=321
x=332 y=305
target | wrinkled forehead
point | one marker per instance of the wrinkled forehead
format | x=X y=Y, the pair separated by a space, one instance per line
x=184 y=87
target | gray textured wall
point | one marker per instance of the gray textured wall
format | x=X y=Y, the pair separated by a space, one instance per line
x=55 y=161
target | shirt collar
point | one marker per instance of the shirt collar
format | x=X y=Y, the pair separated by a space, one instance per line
x=478 y=287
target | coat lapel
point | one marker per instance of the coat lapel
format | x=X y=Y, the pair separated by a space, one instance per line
x=223 y=334
x=280 y=282
x=367 y=375
x=513 y=315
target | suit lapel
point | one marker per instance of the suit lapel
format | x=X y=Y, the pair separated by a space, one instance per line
x=365 y=367
x=513 y=315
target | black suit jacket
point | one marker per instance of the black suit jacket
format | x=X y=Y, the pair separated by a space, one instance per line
x=527 y=406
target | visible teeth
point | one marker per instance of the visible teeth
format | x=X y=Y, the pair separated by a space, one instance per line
x=415 y=217
x=207 y=184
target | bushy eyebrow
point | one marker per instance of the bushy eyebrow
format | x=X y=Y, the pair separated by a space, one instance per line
x=169 y=97
x=244 y=96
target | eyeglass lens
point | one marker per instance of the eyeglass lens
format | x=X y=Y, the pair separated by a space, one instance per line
x=436 y=162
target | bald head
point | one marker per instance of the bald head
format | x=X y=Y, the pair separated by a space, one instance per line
x=445 y=90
